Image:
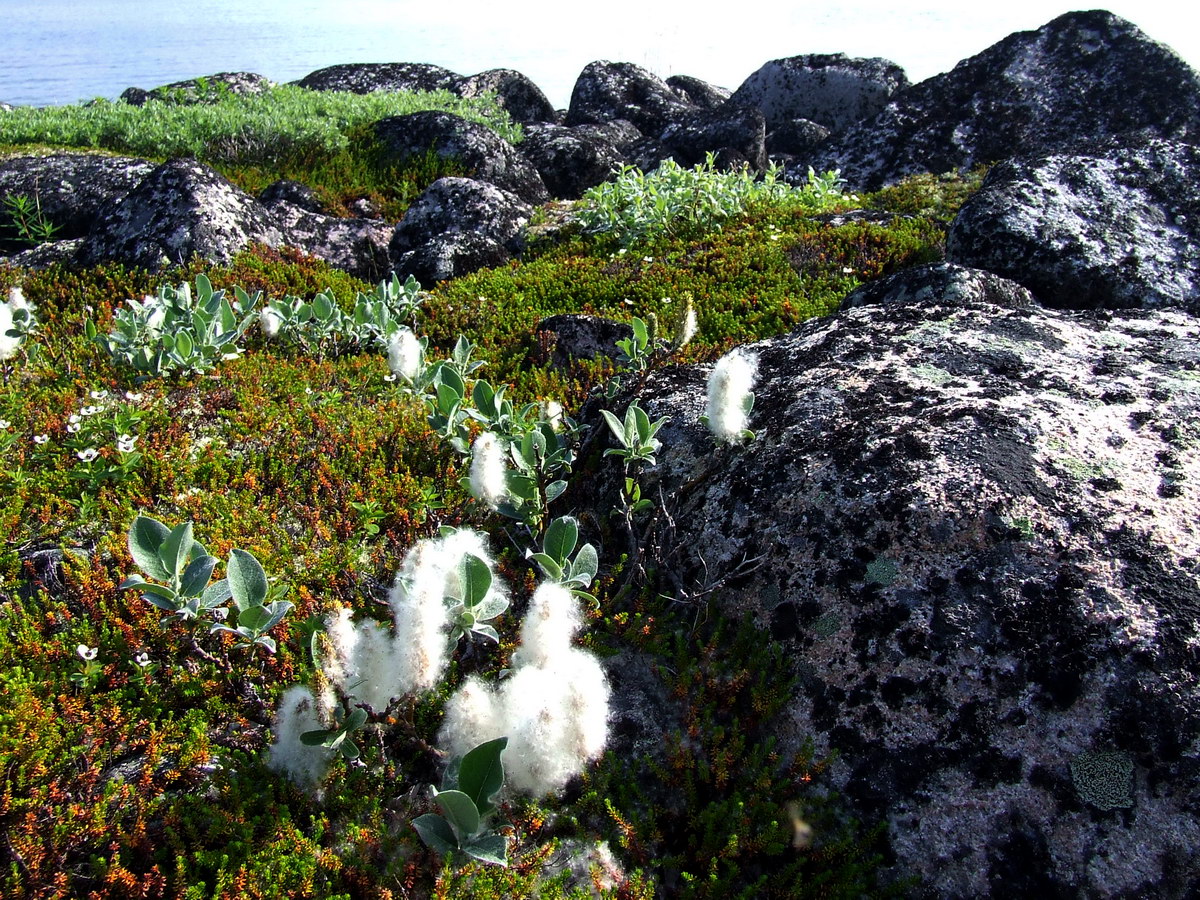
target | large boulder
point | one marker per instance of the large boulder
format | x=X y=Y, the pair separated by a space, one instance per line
x=972 y=524
x=69 y=188
x=739 y=129
x=367 y=78
x=458 y=225
x=206 y=89
x=355 y=245
x=570 y=160
x=606 y=91
x=518 y=95
x=698 y=92
x=831 y=89
x=485 y=155
x=1109 y=228
x=1085 y=75
x=179 y=209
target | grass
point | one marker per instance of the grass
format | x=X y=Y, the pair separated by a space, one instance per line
x=160 y=789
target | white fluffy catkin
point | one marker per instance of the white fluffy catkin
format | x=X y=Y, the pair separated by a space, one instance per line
x=362 y=663
x=297 y=714
x=405 y=354
x=8 y=345
x=488 y=471
x=729 y=385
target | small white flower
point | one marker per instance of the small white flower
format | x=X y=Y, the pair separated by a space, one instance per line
x=88 y=455
x=134 y=396
x=308 y=391
x=98 y=395
x=86 y=652
x=846 y=270
x=41 y=439
x=125 y=443
x=91 y=410
x=142 y=659
x=74 y=428
x=688 y=329
x=647 y=259
x=4 y=423
x=389 y=378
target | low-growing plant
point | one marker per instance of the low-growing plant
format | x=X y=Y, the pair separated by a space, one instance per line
x=27 y=219
x=466 y=801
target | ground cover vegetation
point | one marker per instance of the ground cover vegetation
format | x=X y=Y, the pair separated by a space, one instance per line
x=264 y=501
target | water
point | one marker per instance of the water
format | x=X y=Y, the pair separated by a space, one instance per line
x=64 y=51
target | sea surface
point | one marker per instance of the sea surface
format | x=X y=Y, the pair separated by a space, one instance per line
x=66 y=51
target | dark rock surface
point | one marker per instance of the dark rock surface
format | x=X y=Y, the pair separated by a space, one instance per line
x=523 y=99
x=366 y=78
x=293 y=192
x=831 y=89
x=1113 y=227
x=179 y=209
x=699 y=93
x=485 y=155
x=571 y=336
x=1085 y=75
x=795 y=137
x=943 y=283
x=71 y=188
x=356 y=245
x=739 y=129
x=570 y=160
x=448 y=209
x=207 y=89
x=606 y=91
x=974 y=527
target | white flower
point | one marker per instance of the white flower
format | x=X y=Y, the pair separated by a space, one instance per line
x=142 y=659
x=647 y=259
x=4 y=423
x=125 y=443
x=404 y=354
x=98 y=395
x=91 y=410
x=488 y=472
x=88 y=455
x=389 y=378
x=41 y=439
x=134 y=397
x=729 y=396
x=86 y=652
x=687 y=329
x=270 y=322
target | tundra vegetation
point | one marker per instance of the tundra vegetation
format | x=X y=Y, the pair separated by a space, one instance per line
x=174 y=727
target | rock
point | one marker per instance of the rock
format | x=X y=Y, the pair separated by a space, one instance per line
x=453 y=255
x=485 y=155
x=973 y=527
x=562 y=339
x=831 y=89
x=70 y=188
x=517 y=94
x=1109 y=228
x=458 y=225
x=795 y=137
x=738 y=128
x=46 y=254
x=207 y=89
x=293 y=192
x=940 y=282
x=366 y=78
x=606 y=91
x=1083 y=76
x=358 y=246
x=621 y=133
x=570 y=160
x=179 y=209
x=6 y=107
x=699 y=93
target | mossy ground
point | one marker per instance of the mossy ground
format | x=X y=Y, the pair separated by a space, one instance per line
x=158 y=787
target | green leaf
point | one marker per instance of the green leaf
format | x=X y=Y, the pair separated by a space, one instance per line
x=197 y=574
x=215 y=594
x=322 y=307
x=253 y=618
x=477 y=580
x=436 y=833
x=640 y=333
x=183 y=344
x=554 y=490
x=487 y=631
x=247 y=580
x=488 y=848
x=146 y=536
x=175 y=549
x=561 y=537
x=460 y=810
x=585 y=566
x=356 y=719
x=204 y=288
x=481 y=773
x=549 y=566
x=615 y=426
x=642 y=421
x=484 y=398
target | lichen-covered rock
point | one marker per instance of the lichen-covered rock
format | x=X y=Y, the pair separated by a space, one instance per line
x=293 y=192
x=179 y=209
x=570 y=160
x=831 y=89
x=1102 y=229
x=517 y=94
x=795 y=138
x=564 y=338
x=741 y=129
x=485 y=155
x=367 y=78
x=434 y=225
x=606 y=91
x=621 y=133
x=70 y=188
x=941 y=283
x=699 y=93
x=356 y=245
x=207 y=89
x=1083 y=76
x=46 y=254
x=453 y=255
x=975 y=527
x=6 y=107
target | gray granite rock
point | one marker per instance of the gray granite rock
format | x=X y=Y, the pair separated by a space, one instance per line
x=206 y=89
x=570 y=160
x=1101 y=229
x=1083 y=76
x=972 y=527
x=485 y=155
x=699 y=93
x=452 y=255
x=606 y=91
x=517 y=94
x=831 y=89
x=740 y=129
x=367 y=78
x=355 y=245
x=570 y=336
